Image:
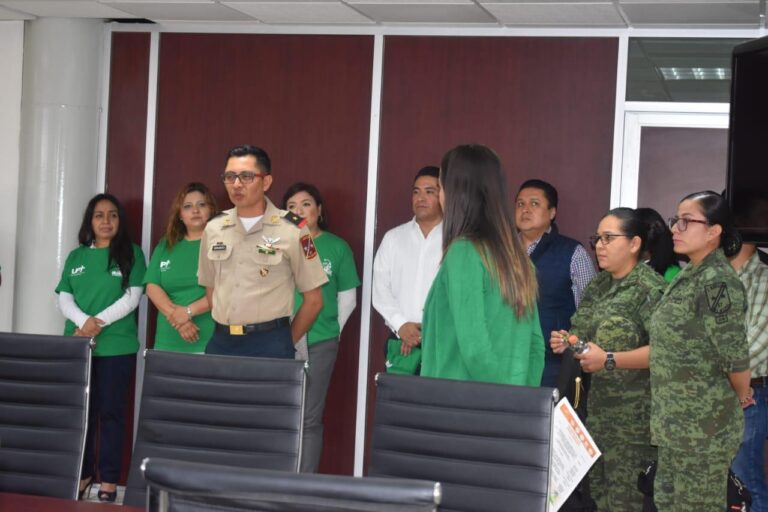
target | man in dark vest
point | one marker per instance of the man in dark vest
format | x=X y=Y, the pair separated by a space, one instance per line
x=563 y=270
x=563 y=267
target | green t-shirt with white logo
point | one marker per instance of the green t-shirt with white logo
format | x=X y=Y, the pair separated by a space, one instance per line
x=175 y=271
x=339 y=265
x=95 y=287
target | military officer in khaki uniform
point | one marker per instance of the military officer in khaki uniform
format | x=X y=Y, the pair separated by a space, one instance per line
x=252 y=258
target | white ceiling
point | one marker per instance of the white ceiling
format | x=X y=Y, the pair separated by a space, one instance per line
x=512 y=13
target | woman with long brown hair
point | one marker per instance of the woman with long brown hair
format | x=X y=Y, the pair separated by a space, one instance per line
x=480 y=319
x=184 y=323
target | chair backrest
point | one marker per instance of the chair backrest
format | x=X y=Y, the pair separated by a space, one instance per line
x=176 y=486
x=43 y=413
x=487 y=444
x=236 y=411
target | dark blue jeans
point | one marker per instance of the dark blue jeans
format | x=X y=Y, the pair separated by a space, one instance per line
x=748 y=464
x=111 y=378
x=276 y=343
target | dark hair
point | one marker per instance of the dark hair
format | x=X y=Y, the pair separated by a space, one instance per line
x=261 y=156
x=476 y=209
x=175 y=228
x=322 y=220
x=659 y=240
x=631 y=224
x=120 y=247
x=550 y=192
x=429 y=170
x=715 y=209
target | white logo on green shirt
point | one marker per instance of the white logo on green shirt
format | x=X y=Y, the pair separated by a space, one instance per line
x=165 y=265
x=328 y=267
x=116 y=273
x=78 y=271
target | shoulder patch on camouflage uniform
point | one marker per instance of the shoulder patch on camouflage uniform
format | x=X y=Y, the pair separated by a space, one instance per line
x=295 y=219
x=718 y=299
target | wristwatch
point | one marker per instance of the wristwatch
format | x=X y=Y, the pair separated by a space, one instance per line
x=610 y=362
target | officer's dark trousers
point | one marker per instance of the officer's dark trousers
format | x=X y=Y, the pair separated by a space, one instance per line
x=111 y=378
x=276 y=343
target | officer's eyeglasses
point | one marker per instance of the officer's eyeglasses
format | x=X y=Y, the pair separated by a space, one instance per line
x=245 y=177
x=682 y=222
x=606 y=238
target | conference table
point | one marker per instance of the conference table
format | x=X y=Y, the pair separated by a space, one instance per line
x=26 y=503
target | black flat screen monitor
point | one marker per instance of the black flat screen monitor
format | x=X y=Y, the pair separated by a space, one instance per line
x=748 y=140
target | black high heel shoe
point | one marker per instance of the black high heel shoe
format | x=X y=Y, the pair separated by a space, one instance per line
x=86 y=490
x=107 y=497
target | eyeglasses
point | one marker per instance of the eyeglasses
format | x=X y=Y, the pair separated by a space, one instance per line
x=682 y=222
x=606 y=238
x=245 y=177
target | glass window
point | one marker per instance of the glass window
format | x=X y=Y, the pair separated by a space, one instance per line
x=680 y=69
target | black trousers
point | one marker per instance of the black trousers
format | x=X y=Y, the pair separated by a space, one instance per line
x=111 y=378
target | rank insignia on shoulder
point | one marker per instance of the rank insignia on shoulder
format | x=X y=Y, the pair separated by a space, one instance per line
x=227 y=221
x=295 y=219
x=309 y=247
x=219 y=246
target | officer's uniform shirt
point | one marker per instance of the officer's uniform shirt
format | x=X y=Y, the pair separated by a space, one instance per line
x=254 y=274
x=697 y=337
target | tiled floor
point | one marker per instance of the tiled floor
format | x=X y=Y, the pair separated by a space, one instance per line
x=94 y=496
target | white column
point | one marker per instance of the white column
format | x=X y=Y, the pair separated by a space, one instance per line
x=11 y=55
x=59 y=147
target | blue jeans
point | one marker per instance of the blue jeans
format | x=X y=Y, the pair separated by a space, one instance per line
x=748 y=464
x=276 y=343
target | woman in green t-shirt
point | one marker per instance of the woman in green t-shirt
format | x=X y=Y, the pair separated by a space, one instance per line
x=480 y=319
x=99 y=290
x=184 y=323
x=339 y=300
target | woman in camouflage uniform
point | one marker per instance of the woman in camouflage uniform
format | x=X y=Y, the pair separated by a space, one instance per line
x=614 y=315
x=699 y=362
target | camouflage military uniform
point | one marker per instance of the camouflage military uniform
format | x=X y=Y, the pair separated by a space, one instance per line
x=614 y=314
x=697 y=338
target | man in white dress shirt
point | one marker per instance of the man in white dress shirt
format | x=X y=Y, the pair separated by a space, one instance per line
x=407 y=262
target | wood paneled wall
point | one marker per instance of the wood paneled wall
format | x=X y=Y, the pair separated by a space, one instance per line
x=126 y=140
x=306 y=101
x=546 y=105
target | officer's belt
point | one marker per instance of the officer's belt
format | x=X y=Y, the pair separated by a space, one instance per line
x=240 y=330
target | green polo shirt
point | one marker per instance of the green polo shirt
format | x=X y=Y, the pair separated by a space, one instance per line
x=95 y=287
x=339 y=265
x=175 y=271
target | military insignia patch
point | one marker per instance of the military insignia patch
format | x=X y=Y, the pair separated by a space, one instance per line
x=718 y=300
x=295 y=219
x=219 y=246
x=309 y=247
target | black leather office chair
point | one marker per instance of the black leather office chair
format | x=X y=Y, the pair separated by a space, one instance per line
x=487 y=444
x=43 y=413
x=235 y=411
x=176 y=486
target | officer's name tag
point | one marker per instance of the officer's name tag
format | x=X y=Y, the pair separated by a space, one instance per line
x=219 y=247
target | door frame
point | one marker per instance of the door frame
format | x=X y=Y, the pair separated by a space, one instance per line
x=637 y=115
